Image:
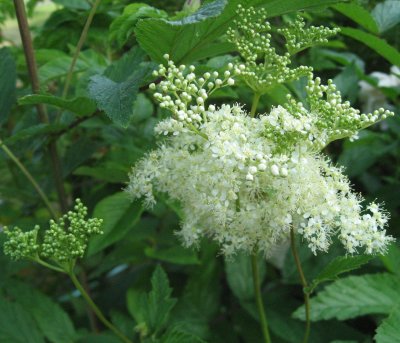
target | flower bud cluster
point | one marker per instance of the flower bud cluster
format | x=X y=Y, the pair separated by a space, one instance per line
x=298 y=37
x=242 y=189
x=185 y=94
x=21 y=244
x=263 y=67
x=327 y=118
x=64 y=241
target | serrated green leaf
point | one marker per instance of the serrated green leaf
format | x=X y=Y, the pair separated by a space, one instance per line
x=120 y=215
x=126 y=66
x=115 y=91
x=359 y=15
x=389 y=330
x=17 y=326
x=387 y=14
x=152 y=310
x=81 y=106
x=355 y=296
x=51 y=319
x=240 y=276
x=123 y=26
x=339 y=265
x=33 y=132
x=391 y=259
x=7 y=83
x=59 y=67
x=379 y=45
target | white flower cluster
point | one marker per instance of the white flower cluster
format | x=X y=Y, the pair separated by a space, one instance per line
x=246 y=190
x=326 y=118
x=185 y=95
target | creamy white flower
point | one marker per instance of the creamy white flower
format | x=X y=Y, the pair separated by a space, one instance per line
x=244 y=189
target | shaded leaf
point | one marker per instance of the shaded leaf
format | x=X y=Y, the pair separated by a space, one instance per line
x=17 y=326
x=389 y=330
x=176 y=254
x=33 y=132
x=176 y=336
x=359 y=15
x=81 y=106
x=391 y=259
x=354 y=296
x=387 y=14
x=115 y=91
x=51 y=319
x=120 y=215
x=153 y=309
x=240 y=276
x=123 y=26
x=377 y=44
x=339 y=265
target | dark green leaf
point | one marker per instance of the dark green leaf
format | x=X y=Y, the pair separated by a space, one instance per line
x=389 y=330
x=123 y=26
x=240 y=276
x=153 y=309
x=59 y=67
x=7 y=83
x=176 y=336
x=391 y=259
x=359 y=155
x=176 y=254
x=347 y=82
x=33 y=132
x=358 y=14
x=120 y=215
x=355 y=296
x=387 y=14
x=51 y=319
x=377 y=44
x=340 y=265
x=115 y=91
x=81 y=106
x=17 y=326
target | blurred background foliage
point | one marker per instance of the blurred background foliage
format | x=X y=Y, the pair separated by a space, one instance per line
x=112 y=127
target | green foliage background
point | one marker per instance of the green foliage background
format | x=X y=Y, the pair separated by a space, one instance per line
x=152 y=288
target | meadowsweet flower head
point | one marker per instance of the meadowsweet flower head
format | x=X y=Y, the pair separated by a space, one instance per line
x=246 y=182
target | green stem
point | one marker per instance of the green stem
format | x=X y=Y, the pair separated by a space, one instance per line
x=258 y=297
x=304 y=283
x=96 y=310
x=79 y=46
x=48 y=265
x=256 y=99
x=29 y=177
x=26 y=39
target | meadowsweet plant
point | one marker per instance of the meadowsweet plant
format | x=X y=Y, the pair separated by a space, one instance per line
x=246 y=180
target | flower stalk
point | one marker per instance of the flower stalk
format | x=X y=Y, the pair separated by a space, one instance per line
x=258 y=298
x=304 y=284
